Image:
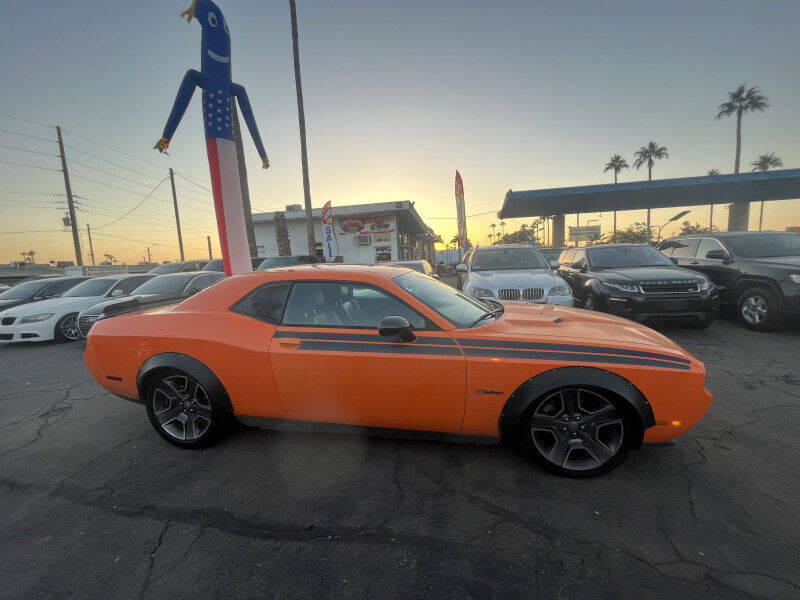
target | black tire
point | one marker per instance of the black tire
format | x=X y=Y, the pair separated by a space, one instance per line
x=174 y=399
x=66 y=329
x=594 y=438
x=591 y=302
x=759 y=309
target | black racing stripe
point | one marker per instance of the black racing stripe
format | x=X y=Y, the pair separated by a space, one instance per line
x=572 y=357
x=385 y=348
x=569 y=348
x=357 y=337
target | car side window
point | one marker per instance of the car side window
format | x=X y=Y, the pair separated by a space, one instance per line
x=127 y=285
x=566 y=257
x=667 y=248
x=58 y=288
x=266 y=302
x=685 y=248
x=579 y=258
x=335 y=304
x=706 y=246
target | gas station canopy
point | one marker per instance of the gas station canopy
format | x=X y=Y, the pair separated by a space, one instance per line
x=662 y=193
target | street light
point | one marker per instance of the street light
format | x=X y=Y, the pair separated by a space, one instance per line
x=680 y=215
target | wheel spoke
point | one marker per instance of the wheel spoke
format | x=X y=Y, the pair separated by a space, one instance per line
x=191 y=389
x=568 y=399
x=169 y=414
x=560 y=450
x=599 y=417
x=203 y=411
x=189 y=427
x=546 y=423
x=597 y=449
x=167 y=390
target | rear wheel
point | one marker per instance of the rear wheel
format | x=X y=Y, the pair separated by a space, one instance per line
x=578 y=432
x=758 y=309
x=182 y=411
x=67 y=329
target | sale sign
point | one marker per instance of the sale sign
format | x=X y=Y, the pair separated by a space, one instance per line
x=328 y=242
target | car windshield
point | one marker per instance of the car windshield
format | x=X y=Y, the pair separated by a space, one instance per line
x=172 y=284
x=410 y=264
x=92 y=287
x=213 y=265
x=503 y=259
x=454 y=306
x=166 y=268
x=550 y=253
x=25 y=289
x=278 y=261
x=763 y=245
x=620 y=257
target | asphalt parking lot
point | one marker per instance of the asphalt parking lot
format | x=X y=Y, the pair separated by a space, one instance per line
x=93 y=503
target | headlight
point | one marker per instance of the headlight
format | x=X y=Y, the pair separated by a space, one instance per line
x=559 y=290
x=794 y=277
x=480 y=293
x=623 y=287
x=36 y=318
x=704 y=285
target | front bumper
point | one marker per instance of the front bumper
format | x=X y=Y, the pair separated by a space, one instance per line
x=27 y=332
x=664 y=307
x=554 y=300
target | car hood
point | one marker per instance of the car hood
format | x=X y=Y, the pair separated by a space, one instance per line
x=554 y=324
x=640 y=274
x=4 y=304
x=54 y=305
x=514 y=278
x=102 y=307
x=782 y=261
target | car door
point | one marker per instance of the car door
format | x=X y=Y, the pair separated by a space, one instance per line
x=330 y=364
x=683 y=252
x=723 y=275
x=565 y=267
x=579 y=274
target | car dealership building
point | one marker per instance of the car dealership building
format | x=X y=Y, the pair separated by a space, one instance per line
x=364 y=233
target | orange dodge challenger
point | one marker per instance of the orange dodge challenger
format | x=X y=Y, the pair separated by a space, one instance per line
x=389 y=350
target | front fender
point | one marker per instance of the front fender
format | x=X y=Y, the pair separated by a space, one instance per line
x=549 y=381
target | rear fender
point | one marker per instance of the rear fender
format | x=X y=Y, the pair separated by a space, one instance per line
x=183 y=363
x=536 y=387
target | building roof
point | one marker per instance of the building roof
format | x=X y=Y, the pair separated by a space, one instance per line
x=684 y=191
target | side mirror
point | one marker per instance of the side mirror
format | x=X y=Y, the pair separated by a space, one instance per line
x=116 y=293
x=719 y=255
x=396 y=327
x=554 y=264
x=462 y=268
x=579 y=266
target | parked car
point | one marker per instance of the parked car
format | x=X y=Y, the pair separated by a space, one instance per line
x=4 y=287
x=158 y=291
x=289 y=261
x=178 y=267
x=637 y=282
x=32 y=290
x=319 y=344
x=57 y=318
x=551 y=255
x=513 y=272
x=217 y=265
x=420 y=266
x=757 y=272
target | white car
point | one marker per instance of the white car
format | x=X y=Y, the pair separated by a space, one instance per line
x=57 y=318
x=514 y=272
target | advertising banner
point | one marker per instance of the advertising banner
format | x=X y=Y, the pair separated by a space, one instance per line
x=461 y=216
x=366 y=225
x=584 y=233
x=328 y=243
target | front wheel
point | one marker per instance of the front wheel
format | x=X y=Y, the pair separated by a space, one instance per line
x=591 y=302
x=182 y=412
x=758 y=309
x=577 y=432
x=67 y=329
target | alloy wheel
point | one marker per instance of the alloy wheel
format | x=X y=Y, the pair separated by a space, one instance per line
x=589 y=302
x=754 y=309
x=577 y=429
x=182 y=408
x=69 y=327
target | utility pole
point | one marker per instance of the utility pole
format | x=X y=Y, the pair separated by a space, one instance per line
x=248 y=210
x=312 y=242
x=76 y=240
x=208 y=238
x=148 y=256
x=91 y=248
x=177 y=215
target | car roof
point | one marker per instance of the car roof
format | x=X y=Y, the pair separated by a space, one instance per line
x=502 y=246
x=726 y=234
x=612 y=246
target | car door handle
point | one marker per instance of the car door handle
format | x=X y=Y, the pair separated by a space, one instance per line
x=289 y=343
x=694 y=262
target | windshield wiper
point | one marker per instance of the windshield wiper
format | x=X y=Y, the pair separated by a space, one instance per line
x=493 y=313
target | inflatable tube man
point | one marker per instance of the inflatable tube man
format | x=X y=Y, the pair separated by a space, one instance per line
x=215 y=80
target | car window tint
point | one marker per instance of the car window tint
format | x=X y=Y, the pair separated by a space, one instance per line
x=667 y=248
x=579 y=257
x=685 y=248
x=707 y=245
x=59 y=287
x=266 y=302
x=129 y=284
x=333 y=304
x=566 y=257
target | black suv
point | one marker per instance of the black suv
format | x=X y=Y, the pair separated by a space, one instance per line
x=637 y=282
x=758 y=272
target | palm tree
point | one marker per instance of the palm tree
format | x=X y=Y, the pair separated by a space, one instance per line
x=740 y=101
x=282 y=235
x=109 y=257
x=502 y=227
x=713 y=172
x=616 y=163
x=765 y=162
x=648 y=155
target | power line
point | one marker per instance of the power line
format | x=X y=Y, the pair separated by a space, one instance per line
x=135 y=207
x=143 y=241
x=16 y=164
x=25 y=120
x=33 y=137
x=26 y=150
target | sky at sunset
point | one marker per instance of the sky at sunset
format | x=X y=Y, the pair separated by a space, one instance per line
x=515 y=95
